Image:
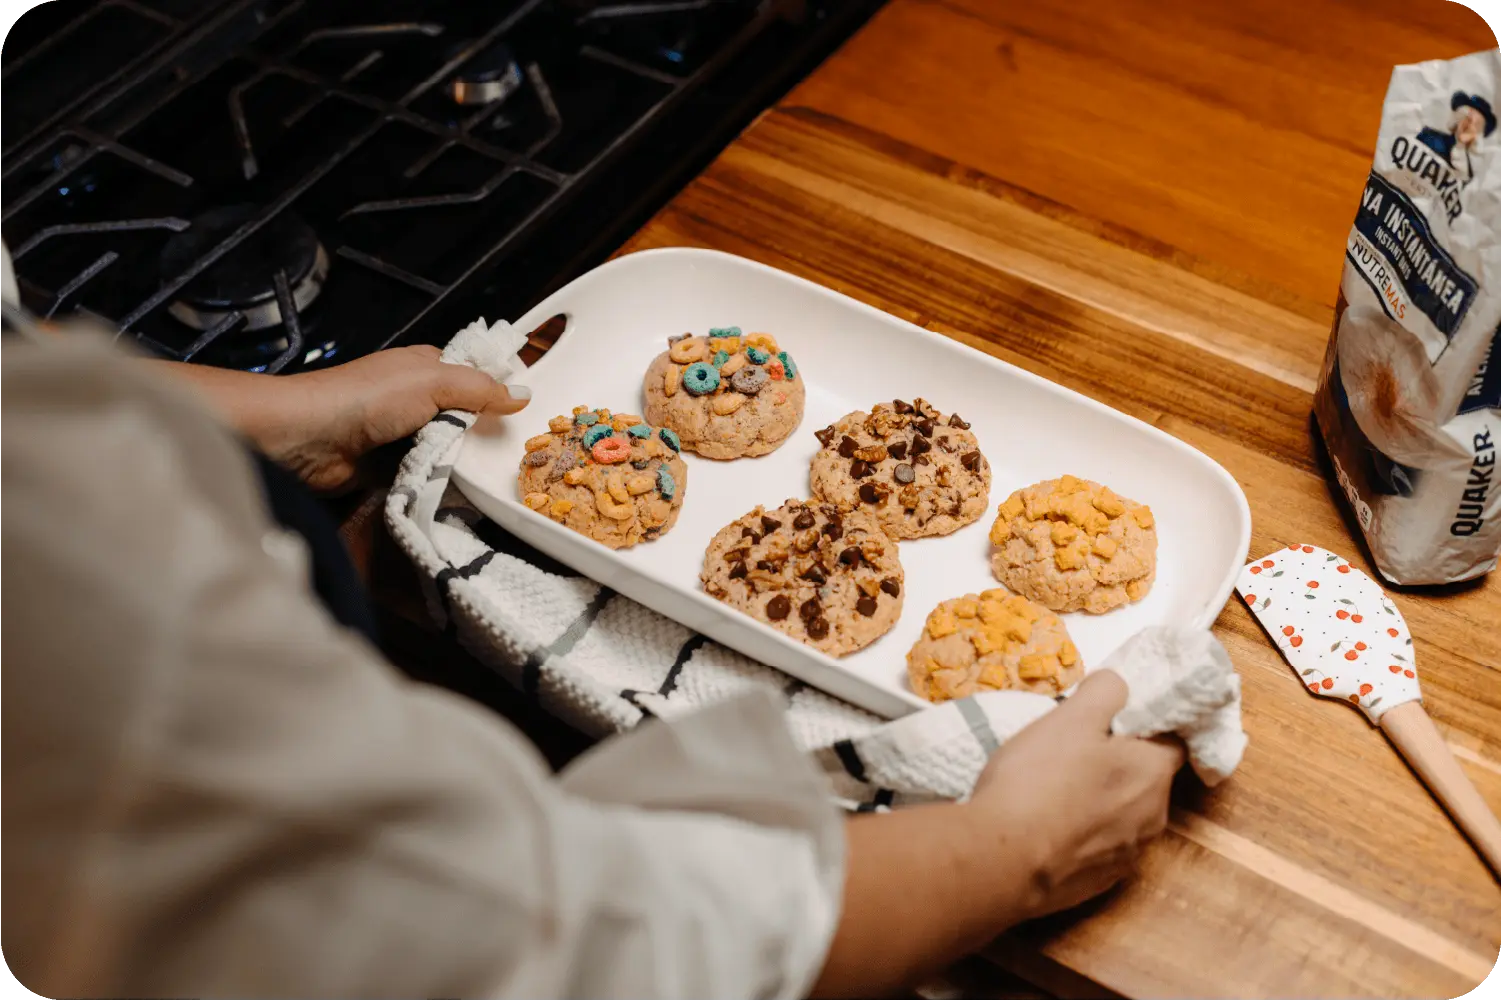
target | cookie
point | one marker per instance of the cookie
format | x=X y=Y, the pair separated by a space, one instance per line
x=825 y=577
x=611 y=477
x=991 y=642
x=727 y=395
x=1071 y=544
x=918 y=471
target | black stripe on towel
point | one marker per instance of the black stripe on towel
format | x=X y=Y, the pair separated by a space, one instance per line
x=850 y=758
x=685 y=654
x=531 y=671
x=457 y=422
x=883 y=797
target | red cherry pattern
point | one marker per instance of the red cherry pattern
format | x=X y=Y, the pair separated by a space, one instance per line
x=1357 y=618
x=1296 y=641
x=1392 y=633
x=1313 y=584
x=1351 y=655
x=1359 y=646
x=1288 y=630
x=1394 y=669
x=1250 y=599
x=1409 y=673
x=1342 y=568
x=1365 y=689
x=1307 y=549
x=1342 y=614
x=1328 y=683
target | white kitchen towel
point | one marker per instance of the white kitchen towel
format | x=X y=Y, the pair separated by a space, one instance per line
x=602 y=663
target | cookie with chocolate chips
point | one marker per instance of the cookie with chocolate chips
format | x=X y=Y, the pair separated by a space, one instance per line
x=918 y=471
x=1072 y=544
x=612 y=477
x=825 y=577
x=993 y=641
x=727 y=395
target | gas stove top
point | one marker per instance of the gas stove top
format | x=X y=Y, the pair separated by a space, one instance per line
x=281 y=184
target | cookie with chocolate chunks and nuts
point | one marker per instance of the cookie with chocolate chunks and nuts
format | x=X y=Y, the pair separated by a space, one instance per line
x=825 y=577
x=727 y=394
x=1072 y=544
x=920 y=472
x=988 y=642
x=612 y=477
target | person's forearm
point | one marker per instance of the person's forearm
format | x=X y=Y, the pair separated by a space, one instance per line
x=263 y=408
x=923 y=887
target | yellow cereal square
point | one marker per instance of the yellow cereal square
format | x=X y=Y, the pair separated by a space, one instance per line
x=1105 y=546
x=1068 y=655
x=941 y=623
x=966 y=608
x=1025 y=610
x=987 y=641
x=1019 y=629
x=991 y=611
x=560 y=509
x=1068 y=559
x=996 y=594
x=994 y=676
x=1011 y=507
x=1000 y=531
x=1108 y=503
x=1063 y=533
x=1068 y=484
x=1137 y=589
x=1037 y=666
x=1143 y=516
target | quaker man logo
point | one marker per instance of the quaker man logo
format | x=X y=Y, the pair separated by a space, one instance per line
x=1471 y=120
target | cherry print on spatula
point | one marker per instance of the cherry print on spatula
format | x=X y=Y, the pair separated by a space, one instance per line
x=1364 y=658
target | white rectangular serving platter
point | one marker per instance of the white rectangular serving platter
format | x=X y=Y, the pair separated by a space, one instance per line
x=851 y=356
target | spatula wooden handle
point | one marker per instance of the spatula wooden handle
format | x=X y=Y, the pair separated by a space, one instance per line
x=1409 y=727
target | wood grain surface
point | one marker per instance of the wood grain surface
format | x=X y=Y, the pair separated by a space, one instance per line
x=1147 y=201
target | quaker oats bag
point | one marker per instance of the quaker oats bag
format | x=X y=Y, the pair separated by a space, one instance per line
x=1409 y=399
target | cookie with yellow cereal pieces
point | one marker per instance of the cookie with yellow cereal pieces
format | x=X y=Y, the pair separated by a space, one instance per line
x=612 y=477
x=1072 y=544
x=727 y=395
x=989 y=642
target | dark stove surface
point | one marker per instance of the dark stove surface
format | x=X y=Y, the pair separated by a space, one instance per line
x=276 y=184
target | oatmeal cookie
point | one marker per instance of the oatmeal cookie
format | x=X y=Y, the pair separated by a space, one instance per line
x=992 y=641
x=611 y=477
x=918 y=471
x=825 y=577
x=727 y=395
x=1071 y=544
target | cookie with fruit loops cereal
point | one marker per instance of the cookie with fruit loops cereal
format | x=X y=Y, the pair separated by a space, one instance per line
x=990 y=642
x=918 y=471
x=1071 y=544
x=612 y=477
x=825 y=577
x=727 y=395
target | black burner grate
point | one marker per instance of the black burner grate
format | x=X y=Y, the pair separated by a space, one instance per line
x=156 y=149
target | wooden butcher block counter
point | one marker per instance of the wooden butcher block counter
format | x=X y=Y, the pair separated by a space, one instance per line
x=1147 y=201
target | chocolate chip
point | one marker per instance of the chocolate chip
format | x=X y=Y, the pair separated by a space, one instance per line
x=859 y=468
x=901 y=406
x=955 y=421
x=954 y=506
x=746 y=532
x=870 y=493
x=778 y=608
x=737 y=571
x=834 y=529
x=921 y=445
x=944 y=443
x=770 y=524
x=924 y=427
x=921 y=460
x=970 y=461
x=640 y=463
x=850 y=557
x=897 y=450
x=765 y=565
x=736 y=555
x=866 y=606
x=816 y=573
x=892 y=586
x=903 y=473
x=537 y=458
x=818 y=628
x=810 y=609
x=825 y=435
x=847 y=446
x=804 y=520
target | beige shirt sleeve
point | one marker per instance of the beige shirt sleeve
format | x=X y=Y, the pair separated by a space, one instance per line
x=210 y=788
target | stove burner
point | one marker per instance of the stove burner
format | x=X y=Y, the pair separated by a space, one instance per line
x=284 y=252
x=490 y=77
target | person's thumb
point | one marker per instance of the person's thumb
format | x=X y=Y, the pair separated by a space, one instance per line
x=1098 y=698
x=460 y=387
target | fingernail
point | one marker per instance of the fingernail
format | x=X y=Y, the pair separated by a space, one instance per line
x=520 y=392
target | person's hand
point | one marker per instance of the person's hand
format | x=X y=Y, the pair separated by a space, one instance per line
x=1085 y=801
x=319 y=424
